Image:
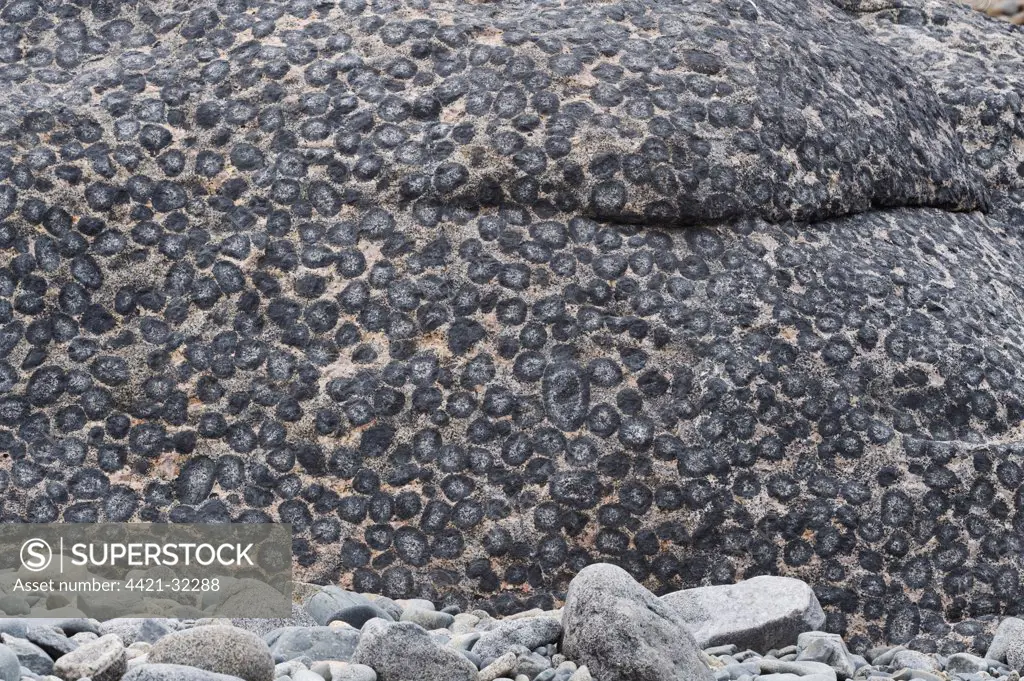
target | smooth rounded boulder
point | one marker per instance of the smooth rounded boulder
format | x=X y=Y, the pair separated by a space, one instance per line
x=219 y=649
x=623 y=632
x=403 y=651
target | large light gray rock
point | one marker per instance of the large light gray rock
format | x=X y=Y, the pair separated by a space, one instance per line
x=1009 y=635
x=760 y=613
x=104 y=659
x=529 y=632
x=316 y=643
x=220 y=649
x=623 y=632
x=403 y=651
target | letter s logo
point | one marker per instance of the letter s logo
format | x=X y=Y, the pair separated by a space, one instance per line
x=36 y=555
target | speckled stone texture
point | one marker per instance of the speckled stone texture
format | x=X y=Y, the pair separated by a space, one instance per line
x=475 y=294
x=976 y=67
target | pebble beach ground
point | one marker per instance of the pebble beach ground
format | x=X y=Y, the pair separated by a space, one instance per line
x=610 y=629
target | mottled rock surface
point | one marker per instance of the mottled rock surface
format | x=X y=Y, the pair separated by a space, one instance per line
x=1009 y=635
x=103 y=660
x=30 y=656
x=623 y=632
x=477 y=294
x=218 y=649
x=759 y=613
x=529 y=632
x=830 y=649
x=403 y=651
x=316 y=643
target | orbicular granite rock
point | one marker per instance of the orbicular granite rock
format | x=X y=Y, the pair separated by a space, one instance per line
x=476 y=294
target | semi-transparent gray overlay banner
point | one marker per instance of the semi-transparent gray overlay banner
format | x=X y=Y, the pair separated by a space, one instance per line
x=108 y=570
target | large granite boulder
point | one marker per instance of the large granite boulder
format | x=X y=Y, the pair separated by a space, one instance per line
x=315 y=643
x=623 y=632
x=403 y=651
x=759 y=614
x=1007 y=642
x=219 y=649
x=476 y=294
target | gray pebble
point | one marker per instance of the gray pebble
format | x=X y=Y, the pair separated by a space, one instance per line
x=314 y=643
x=306 y=675
x=50 y=639
x=102 y=660
x=885 y=657
x=906 y=674
x=532 y=664
x=912 y=659
x=428 y=619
